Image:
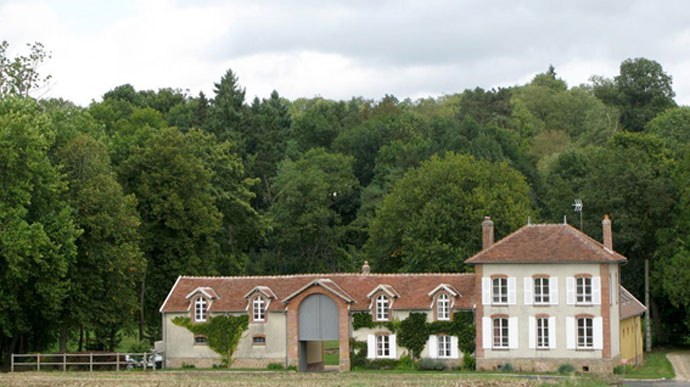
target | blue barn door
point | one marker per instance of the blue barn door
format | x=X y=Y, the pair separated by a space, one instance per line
x=318 y=319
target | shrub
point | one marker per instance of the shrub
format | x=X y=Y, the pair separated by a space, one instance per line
x=358 y=354
x=406 y=363
x=432 y=365
x=507 y=367
x=469 y=362
x=185 y=365
x=566 y=369
x=139 y=347
x=622 y=369
x=292 y=368
x=383 y=364
x=275 y=366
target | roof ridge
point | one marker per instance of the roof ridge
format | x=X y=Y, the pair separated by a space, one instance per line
x=501 y=241
x=325 y=275
x=591 y=242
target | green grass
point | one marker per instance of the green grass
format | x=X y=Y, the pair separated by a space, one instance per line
x=656 y=366
x=331 y=344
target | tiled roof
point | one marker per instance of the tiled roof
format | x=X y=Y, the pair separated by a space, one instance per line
x=630 y=306
x=547 y=243
x=412 y=288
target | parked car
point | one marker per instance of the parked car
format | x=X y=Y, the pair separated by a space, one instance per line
x=152 y=360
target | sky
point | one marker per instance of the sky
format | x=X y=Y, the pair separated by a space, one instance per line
x=341 y=49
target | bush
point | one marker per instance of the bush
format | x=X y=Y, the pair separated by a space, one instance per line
x=469 y=362
x=507 y=367
x=358 y=354
x=291 y=368
x=185 y=365
x=622 y=369
x=139 y=347
x=383 y=364
x=406 y=363
x=275 y=366
x=432 y=365
x=566 y=369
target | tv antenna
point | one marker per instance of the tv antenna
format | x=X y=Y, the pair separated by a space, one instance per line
x=577 y=207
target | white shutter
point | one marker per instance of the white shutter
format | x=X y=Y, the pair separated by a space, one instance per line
x=553 y=290
x=486 y=332
x=371 y=347
x=570 y=332
x=454 y=347
x=528 y=290
x=598 y=333
x=511 y=291
x=552 y=332
x=532 y=332
x=513 y=332
x=596 y=290
x=433 y=347
x=394 y=347
x=486 y=291
x=570 y=290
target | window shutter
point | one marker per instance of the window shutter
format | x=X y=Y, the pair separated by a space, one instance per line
x=486 y=291
x=394 y=347
x=486 y=332
x=532 y=332
x=598 y=333
x=552 y=332
x=371 y=347
x=454 y=347
x=570 y=332
x=511 y=291
x=570 y=290
x=528 y=290
x=433 y=347
x=596 y=290
x=513 y=332
x=553 y=290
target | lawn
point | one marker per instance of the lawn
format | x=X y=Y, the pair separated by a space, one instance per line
x=268 y=378
x=332 y=358
x=656 y=366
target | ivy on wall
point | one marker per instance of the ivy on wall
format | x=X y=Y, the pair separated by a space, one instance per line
x=222 y=332
x=364 y=320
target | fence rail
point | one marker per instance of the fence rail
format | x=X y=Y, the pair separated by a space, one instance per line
x=127 y=360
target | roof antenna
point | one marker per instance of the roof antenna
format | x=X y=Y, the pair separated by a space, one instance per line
x=577 y=207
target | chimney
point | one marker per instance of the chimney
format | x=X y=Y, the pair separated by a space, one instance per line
x=365 y=268
x=487 y=233
x=608 y=237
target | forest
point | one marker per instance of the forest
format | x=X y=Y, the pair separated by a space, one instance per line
x=103 y=206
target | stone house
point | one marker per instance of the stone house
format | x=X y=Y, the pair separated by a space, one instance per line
x=543 y=296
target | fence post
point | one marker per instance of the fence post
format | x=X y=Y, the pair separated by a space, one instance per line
x=12 y=362
x=144 y=361
x=117 y=361
x=38 y=362
x=64 y=362
x=90 y=361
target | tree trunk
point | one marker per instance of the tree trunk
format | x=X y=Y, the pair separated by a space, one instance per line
x=112 y=339
x=81 y=338
x=141 y=306
x=63 y=339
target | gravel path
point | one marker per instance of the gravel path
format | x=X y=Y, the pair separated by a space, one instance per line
x=681 y=365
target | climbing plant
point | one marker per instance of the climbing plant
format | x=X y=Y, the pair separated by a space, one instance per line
x=364 y=320
x=413 y=333
x=461 y=326
x=222 y=332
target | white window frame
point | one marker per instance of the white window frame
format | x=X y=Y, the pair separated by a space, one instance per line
x=444 y=347
x=542 y=292
x=383 y=346
x=585 y=333
x=499 y=291
x=443 y=307
x=501 y=340
x=259 y=309
x=543 y=334
x=583 y=291
x=200 y=309
x=382 y=308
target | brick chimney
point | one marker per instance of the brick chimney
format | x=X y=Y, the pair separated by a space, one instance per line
x=608 y=237
x=365 y=268
x=487 y=233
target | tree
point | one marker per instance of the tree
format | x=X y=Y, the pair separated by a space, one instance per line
x=673 y=126
x=19 y=76
x=429 y=222
x=227 y=113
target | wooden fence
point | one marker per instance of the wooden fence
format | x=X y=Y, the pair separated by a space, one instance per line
x=119 y=360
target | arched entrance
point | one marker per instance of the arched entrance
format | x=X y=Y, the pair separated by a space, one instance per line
x=318 y=322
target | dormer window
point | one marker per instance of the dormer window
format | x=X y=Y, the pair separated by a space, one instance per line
x=381 y=308
x=443 y=307
x=259 y=308
x=200 y=309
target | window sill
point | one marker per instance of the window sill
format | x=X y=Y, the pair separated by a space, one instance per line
x=543 y=349
x=499 y=304
x=500 y=348
x=585 y=304
x=542 y=304
x=585 y=349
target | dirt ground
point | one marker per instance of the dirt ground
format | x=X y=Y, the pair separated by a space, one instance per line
x=681 y=365
x=211 y=378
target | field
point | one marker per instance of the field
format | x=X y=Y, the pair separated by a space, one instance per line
x=278 y=378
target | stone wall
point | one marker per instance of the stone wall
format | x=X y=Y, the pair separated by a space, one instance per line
x=596 y=366
x=237 y=363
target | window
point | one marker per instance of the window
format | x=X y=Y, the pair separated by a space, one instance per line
x=583 y=290
x=381 y=308
x=500 y=333
x=259 y=340
x=200 y=309
x=443 y=307
x=585 y=334
x=259 y=307
x=383 y=346
x=444 y=346
x=543 y=332
x=201 y=340
x=541 y=290
x=500 y=290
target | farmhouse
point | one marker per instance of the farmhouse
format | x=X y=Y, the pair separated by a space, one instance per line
x=543 y=296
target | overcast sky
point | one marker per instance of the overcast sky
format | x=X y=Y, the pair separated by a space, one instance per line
x=340 y=49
